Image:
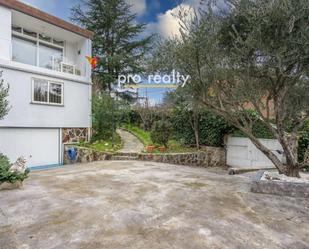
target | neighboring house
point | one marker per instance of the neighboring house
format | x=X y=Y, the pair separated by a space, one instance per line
x=43 y=61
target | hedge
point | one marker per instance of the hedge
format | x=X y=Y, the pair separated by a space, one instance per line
x=212 y=129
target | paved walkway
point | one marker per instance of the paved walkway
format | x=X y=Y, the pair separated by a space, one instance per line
x=131 y=143
x=141 y=205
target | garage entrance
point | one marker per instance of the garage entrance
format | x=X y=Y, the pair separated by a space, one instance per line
x=40 y=147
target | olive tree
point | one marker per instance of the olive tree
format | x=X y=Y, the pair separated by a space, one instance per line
x=255 y=56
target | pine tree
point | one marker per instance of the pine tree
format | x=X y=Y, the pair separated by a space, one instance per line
x=117 y=38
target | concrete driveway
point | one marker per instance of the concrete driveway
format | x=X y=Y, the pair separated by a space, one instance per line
x=147 y=205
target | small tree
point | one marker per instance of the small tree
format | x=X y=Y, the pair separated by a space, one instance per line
x=4 y=92
x=254 y=56
x=161 y=132
x=103 y=116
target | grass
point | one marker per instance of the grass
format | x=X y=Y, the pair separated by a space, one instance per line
x=105 y=145
x=144 y=136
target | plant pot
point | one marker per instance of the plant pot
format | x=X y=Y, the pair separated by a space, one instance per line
x=10 y=186
x=150 y=148
x=162 y=149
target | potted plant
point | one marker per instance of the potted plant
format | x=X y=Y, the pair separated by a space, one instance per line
x=150 y=148
x=12 y=176
x=162 y=149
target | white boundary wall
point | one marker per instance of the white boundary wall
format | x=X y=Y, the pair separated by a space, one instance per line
x=242 y=153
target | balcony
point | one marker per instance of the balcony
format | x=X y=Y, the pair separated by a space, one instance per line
x=38 y=49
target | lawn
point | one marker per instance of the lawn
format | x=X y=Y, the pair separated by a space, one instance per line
x=144 y=136
x=105 y=145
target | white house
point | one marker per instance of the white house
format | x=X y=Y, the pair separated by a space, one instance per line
x=43 y=61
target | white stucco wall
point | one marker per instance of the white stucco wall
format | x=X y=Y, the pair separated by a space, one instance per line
x=75 y=112
x=84 y=46
x=5 y=33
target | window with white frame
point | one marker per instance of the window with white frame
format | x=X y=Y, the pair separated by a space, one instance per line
x=47 y=92
x=36 y=49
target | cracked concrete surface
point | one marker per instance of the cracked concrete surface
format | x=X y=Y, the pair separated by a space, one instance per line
x=128 y=204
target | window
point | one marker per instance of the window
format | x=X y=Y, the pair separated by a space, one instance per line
x=37 y=49
x=48 y=92
x=24 y=50
x=50 y=57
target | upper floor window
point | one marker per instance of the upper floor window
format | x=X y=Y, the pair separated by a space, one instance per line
x=24 y=50
x=37 y=49
x=47 y=92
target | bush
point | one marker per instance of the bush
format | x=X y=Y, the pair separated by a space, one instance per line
x=303 y=142
x=130 y=117
x=161 y=132
x=6 y=175
x=103 y=116
x=212 y=129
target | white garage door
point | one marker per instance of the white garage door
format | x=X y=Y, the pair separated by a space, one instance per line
x=40 y=147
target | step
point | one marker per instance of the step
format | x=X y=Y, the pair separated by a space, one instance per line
x=124 y=158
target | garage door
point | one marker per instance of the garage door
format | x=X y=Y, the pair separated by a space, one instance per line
x=40 y=147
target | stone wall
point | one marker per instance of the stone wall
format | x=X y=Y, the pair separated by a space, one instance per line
x=85 y=155
x=74 y=135
x=210 y=157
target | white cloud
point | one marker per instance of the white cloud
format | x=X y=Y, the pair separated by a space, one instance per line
x=138 y=6
x=168 y=23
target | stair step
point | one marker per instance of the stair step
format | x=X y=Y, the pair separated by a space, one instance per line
x=124 y=158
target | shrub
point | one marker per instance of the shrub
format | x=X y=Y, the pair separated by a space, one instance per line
x=129 y=117
x=161 y=132
x=102 y=116
x=6 y=175
x=212 y=129
x=303 y=142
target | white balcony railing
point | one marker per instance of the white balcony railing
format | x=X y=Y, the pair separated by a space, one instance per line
x=64 y=66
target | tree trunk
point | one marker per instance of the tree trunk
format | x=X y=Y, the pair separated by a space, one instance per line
x=196 y=131
x=292 y=168
x=292 y=171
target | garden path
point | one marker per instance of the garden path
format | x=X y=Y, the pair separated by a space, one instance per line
x=131 y=144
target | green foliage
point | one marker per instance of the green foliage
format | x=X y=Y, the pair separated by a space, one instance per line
x=212 y=129
x=4 y=92
x=6 y=175
x=117 y=38
x=129 y=117
x=161 y=132
x=105 y=145
x=103 y=115
x=303 y=142
x=259 y=130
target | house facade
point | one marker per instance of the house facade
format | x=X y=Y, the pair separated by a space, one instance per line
x=42 y=58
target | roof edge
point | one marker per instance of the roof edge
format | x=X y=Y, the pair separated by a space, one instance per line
x=34 y=12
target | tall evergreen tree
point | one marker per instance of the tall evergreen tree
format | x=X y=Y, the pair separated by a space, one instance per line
x=117 y=38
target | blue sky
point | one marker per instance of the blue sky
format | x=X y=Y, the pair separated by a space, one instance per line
x=159 y=15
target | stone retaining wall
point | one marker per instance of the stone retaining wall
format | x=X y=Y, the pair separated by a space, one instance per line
x=210 y=157
x=85 y=155
x=74 y=135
